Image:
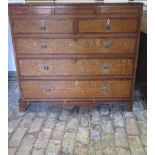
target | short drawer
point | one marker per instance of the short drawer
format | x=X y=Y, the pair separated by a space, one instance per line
x=75 y=11
x=42 y=26
x=75 y=67
x=108 y=25
x=29 y=11
x=71 y=46
x=75 y=89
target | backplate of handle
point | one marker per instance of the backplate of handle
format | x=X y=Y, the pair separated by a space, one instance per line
x=106 y=45
x=42 y=26
x=106 y=67
x=108 y=24
x=105 y=89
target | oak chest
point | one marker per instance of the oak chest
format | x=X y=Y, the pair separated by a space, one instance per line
x=76 y=54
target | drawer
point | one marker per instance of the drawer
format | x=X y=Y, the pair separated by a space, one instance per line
x=23 y=11
x=75 y=11
x=71 y=46
x=75 y=67
x=42 y=26
x=75 y=89
x=108 y=25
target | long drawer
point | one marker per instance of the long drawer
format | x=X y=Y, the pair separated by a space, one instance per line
x=42 y=26
x=75 y=89
x=75 y=67
x=75 y=46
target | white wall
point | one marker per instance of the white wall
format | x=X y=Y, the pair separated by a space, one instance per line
x=11 y=61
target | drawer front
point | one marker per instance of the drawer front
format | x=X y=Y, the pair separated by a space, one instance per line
x=30 y=11
x=75 y=11
x=75 y=89
x=75 y=67
x=108 y=25
x=79 y=46
x=42 y=26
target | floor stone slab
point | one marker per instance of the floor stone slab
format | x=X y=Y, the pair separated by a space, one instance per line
x=81 y=151
x=17 y=137
x=26 y=145
x=143 y=139
x=107 y=126
x=95 y=115
x=58 y=131
x=121 y=138
x=128 y=114
x=84 y=121
x=27 y=121
x=72 y=124
x=118 y=119
x=43 y=138
x=108 y=144
x=122 y=151
x=50 y=122
x=53 y=147
x=36 y=125
x=94 y=134
x=12 y=151
x=13 y=124
x=68 y=143
x=95 y=148
x=82 y=137
x=38 y=152
x=142 y=125
x=135 y=145
x=131 y=126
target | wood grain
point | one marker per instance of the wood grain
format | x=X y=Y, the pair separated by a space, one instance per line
x=34 y=26
x=30 y=11
x=76 y=89
x=71 y=46
x=117 y=25
x=75 y=67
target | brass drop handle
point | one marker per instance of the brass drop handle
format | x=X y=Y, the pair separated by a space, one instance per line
x=42 y=27
x=108 y=24
x=105 y=89
x=106 y=67
x=44 y=46
x=46 y=67
x=47 y=90
x=106 y=45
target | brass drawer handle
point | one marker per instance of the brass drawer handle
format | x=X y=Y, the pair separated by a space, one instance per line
x=108 y=24
x=105 y=89
x=46 y=67
x=106 y=67
x=44 y=46
x=106 y=45
x=42 y=27
x=47 y=90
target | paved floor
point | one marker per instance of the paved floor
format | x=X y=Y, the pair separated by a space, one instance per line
x=105 y=130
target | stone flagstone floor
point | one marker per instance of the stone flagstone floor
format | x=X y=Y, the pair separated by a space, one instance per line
x=105 y=130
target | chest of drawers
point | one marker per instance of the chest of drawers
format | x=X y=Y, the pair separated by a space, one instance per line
x=75 y=54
